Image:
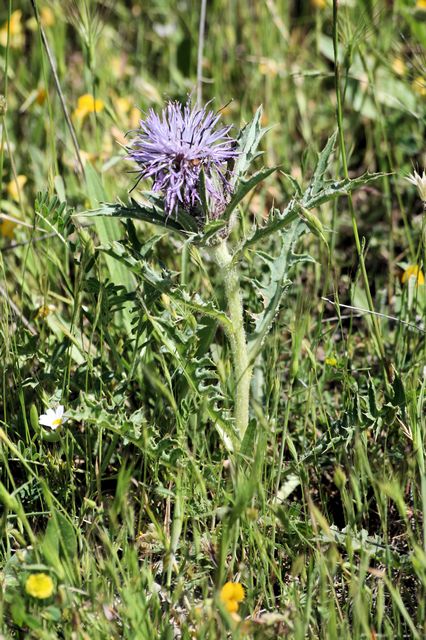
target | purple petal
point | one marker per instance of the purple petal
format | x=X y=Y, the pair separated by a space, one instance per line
x=173 y=147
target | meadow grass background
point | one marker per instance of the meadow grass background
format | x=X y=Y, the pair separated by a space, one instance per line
x=138 y=512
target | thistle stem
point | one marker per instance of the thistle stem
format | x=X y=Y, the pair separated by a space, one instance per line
x=237 y=336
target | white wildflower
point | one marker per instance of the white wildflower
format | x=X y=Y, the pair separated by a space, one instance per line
x=419 y=181
x=53 y=418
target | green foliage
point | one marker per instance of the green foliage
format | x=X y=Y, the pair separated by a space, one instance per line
x=248 y=142
x=152 y=213
x=273 y=291
x=145 y=501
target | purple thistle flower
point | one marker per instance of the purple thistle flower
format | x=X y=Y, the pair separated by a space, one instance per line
x=173 y=147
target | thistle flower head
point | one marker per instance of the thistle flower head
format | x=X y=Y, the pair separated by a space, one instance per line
x=172 y=148
x=420 y=182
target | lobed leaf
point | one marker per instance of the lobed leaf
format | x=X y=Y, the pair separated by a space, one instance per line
x=324 y=159
x=277 y=221
x=163 y=283
x=244 y=187
x=247 y=144
x=277 y=286
x=154 y=213
x=334 y=188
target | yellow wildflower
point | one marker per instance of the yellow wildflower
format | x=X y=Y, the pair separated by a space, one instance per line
x=41 y=95
x=135 y=116
x=7 y=228
x=47 y=17
x=319 y=4
x=399 y=66
x=15 y=186
x=88 y=104
x=87 y=156
x=421 y=4
x=39 y=585
x=268 y=67
x=123 y=105
x=117 y=66
x=44 y=311
x=15 y=31
x=419 y=85
x=413 y=271
x=331 y=361
x=36 y=96
x=231 y=594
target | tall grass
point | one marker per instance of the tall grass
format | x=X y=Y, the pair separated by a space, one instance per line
x=138 y=512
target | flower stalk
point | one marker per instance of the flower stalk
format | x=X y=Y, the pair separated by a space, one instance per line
x=237 y=336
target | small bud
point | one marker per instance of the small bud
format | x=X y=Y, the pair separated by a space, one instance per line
x=165 y=300
x=7 y=499
x=294 y=366
x=87 y=242
x=90 y=504
x=340 y=478
x=21 y=554
x=3 y=106
x=313 y=223
x=53 y=436
x=34 y=418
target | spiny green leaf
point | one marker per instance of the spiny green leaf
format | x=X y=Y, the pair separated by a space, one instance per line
x=210 y=230
x=196 y=303
x=277 y=286
x=276 y=222
x=296 y=186
x=243 y=188
x=163 y=283
x=137 y=211
x=183 y=219
x=335 y=188
x=247 y=144
x=324 y=158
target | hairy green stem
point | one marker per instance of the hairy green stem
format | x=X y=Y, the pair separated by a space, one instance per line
x=237 y=336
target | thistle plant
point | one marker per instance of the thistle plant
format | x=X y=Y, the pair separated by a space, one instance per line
x=200 y=176
x=188 y=159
